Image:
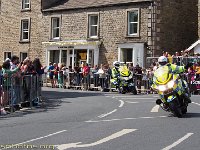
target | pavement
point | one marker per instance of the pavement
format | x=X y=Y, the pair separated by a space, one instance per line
x=78 y=120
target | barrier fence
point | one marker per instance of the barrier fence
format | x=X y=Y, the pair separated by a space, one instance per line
x=20 y=92
x=25 y=91
x=96 y=81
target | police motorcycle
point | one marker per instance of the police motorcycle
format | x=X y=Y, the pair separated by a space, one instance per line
x=171 y=88
x=125 y=80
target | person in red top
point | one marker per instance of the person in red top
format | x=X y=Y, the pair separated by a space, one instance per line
x=56 y=70
x=86 y=75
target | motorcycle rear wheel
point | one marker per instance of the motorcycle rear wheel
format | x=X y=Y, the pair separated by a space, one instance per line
x=175 y=109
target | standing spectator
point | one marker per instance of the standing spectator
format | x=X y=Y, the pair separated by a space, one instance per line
x=131 y=67
x=27 y=70
x=77 y=76
x=71 y=75
x=60 y=75
x=51 y=74
x=56 y=70
x=198 y=70
x=145 y=79
x=39 y=69
x=102 y=76
x=16 y=82
x=138 y=72
x=155 y=66
x=86 y=75
x=7 y=73
x=95 y=75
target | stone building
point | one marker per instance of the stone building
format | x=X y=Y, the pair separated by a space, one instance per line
x=21 y=28
x=96 y=31
x=104 y=31
x=195 y=47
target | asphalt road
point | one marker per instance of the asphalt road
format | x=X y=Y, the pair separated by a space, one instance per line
x=100 y=121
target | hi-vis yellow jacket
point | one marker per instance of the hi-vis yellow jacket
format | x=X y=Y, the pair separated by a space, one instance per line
x=164 y=73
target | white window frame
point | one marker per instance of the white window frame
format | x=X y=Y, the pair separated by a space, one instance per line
x=96 y=25
x=24 y=3
x=55 y=28
x=5 y=54
x=138 y=22
x=25 y=30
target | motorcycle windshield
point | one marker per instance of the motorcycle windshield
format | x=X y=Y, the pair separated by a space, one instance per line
x=162 y=75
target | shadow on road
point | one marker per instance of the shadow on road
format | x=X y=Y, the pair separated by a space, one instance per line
x=192 y=115
x=68 y=94
x=51 y=101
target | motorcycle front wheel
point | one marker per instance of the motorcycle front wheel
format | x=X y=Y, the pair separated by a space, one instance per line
x=174 y=107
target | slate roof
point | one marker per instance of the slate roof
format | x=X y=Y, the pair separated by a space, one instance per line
x=78 y=4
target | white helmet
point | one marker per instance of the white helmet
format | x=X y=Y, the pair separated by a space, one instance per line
x=116 y=64
x=162 y=60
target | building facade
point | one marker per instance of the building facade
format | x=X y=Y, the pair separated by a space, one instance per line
x=96 y=32
x=21 y=29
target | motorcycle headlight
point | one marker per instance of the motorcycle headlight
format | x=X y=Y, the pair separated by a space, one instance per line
x=162 y=88
x=170 y=84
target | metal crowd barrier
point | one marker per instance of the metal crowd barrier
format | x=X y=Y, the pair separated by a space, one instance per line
x=17 y=93
x=95 y=81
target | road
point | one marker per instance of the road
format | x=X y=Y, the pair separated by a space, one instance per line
x=100 y=121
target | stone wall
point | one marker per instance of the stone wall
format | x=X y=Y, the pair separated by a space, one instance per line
x=11 y=15
x=177 y=23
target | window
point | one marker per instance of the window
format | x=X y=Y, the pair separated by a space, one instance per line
x=7 y=55
x=25 y=4
x=23 y=56
x=55 y=24
x=93 y=26
x=54 y=56
x=133 y=23
x=126 y=55
x=25 y=27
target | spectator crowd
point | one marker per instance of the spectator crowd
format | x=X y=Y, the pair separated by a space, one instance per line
x=15 y=78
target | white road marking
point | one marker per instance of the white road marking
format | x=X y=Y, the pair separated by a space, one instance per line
x=155 y=96
x=14 y=145
x=155 y=109
x=138 y=98
x=93 y=121
x=140 y=102
x=196 y=103
x=178 y=142
x=132 y=102
x=104 y=115
x=113 y=97
x=106 y=139
x=121 y=103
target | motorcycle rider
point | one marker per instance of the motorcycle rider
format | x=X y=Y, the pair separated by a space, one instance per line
x=115 y=73
x=176 y=70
